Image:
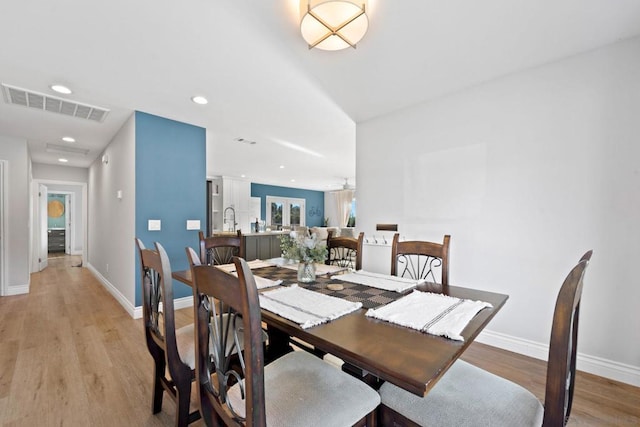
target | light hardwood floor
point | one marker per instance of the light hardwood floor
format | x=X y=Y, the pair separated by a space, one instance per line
x=71 y=356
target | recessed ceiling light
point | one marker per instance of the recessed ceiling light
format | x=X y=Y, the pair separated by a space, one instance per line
x=61 y=89
x=201 y=100
x=62 y=160
x=243 y=176
x=293 y=180
x=68 y=139
x=281 y=166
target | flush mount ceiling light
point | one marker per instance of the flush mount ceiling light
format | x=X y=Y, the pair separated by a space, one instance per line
x=200 y=100
x=334 y=24
x=61 y=89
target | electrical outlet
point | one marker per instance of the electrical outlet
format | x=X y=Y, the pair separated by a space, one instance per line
x=193 y=224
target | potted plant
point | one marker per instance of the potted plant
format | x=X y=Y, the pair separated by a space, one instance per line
x=305 y=248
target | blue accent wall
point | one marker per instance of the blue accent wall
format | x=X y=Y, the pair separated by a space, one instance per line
x=170 y=186
x=314 y=201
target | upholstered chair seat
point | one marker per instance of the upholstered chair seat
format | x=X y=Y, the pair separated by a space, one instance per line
x=479 y=394
x=324 y=395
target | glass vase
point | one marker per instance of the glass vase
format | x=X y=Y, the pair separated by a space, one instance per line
x=306 y=272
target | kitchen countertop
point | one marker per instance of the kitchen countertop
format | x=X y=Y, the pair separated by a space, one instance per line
x=261 y=233
x=267 y=233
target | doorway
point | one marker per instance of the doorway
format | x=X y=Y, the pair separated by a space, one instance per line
x=60 y=217
x=70 y=225
x=3 y=224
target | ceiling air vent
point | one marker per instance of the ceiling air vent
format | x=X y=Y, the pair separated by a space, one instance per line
x=63 y=149
x=40 y=101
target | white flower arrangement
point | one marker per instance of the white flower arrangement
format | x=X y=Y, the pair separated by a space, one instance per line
x=303 y=247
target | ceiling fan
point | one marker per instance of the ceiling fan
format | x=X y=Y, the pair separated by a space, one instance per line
x=347 y=186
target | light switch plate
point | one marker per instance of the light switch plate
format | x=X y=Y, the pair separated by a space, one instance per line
x=193 y=224
x=154 y=225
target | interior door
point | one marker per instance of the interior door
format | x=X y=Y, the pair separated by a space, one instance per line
x=44 y=235
x=2 y=292
x=67 y=224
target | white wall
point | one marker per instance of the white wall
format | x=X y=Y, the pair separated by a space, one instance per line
x=14 y=150
x=111 y=222
x=526 y=173
x=60 y=173
x=331 y=209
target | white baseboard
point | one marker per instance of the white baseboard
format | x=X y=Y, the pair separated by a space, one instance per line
x=124 y=302
x=17 y=290
x=594 y=365
x=179 y=303
x=135 y=312
x=183 y=302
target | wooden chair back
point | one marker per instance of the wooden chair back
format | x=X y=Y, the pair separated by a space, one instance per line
x=218 y=250
x=419 y=259
x=157 y=300
x=561 y=368
x=193 y=257
x=160 y=332
x=220 y=295
x=345 y=251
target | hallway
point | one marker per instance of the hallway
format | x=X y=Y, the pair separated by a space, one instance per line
x=71 y=355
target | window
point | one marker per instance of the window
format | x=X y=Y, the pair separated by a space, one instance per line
x=286 y=212
x=351 y=222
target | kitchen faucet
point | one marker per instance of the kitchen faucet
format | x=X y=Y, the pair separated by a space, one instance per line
x=230 y=219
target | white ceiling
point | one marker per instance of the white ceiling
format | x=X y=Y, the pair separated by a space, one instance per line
x=262 y=82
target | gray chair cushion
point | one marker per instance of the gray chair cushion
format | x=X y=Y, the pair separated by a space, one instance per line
x=185 y=341
x=302 y=390
x=186 y=346
x=467 y=396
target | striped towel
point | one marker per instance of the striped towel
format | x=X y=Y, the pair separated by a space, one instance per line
x=256 y=263
x=434 y=314
x=321 y=269
x=306 y=308
x=261 y=282
x=380 y=281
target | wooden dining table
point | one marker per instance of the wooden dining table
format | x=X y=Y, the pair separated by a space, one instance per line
x=372 y=348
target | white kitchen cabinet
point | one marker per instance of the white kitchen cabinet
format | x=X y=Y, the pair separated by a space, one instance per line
x=236 y=193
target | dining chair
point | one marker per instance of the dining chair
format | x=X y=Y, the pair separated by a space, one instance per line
x=172 y=349
x=294 y=390
x=194 y=260
x=420 y=259
x=469 y=396
x=345 y=251
x=217 y=250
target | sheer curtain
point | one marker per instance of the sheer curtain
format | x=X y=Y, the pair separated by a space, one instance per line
x=343 y=204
